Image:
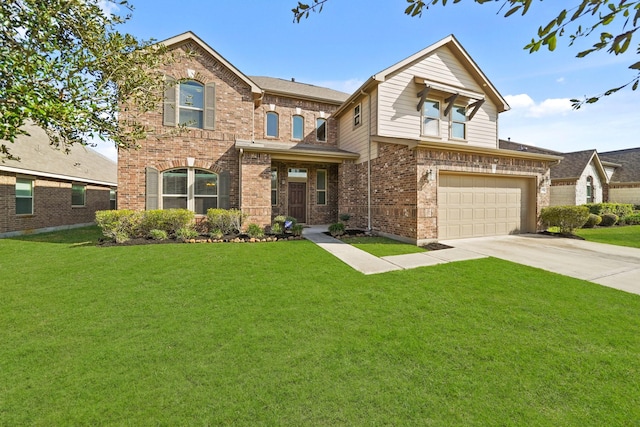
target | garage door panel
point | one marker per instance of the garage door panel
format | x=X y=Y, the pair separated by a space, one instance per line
x=470 y=206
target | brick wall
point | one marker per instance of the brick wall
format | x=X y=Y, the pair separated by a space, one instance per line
x=51 y=205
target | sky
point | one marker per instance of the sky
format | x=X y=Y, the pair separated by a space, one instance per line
x=350 y=40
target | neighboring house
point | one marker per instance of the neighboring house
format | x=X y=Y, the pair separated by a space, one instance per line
x=413 y=153
x=47 y=189
x=591 y=177
x=624 y=184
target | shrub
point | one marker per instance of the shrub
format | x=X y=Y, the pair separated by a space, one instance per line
x=344 y=217
x=276 y=228
x=592 y=221
x=167 y=220
x=119 y=225
x=226 y=220
x=567 y=218
x=619 y=209
x=297 y=230
x=632 y=219
x=336 y=229
x=216 y=234
x=608 y=220
x=186 y=233
x=255 y=231
x=158 y=234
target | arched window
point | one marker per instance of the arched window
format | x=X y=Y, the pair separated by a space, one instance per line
x=272 y=124
x=191 y=106
x=589 y=189
x=298 y=127
x=187 y=188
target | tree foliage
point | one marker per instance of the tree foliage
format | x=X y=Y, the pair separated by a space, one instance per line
x=66 y=68
x=611 y=23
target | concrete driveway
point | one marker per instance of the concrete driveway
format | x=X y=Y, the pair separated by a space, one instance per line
x=613 y=266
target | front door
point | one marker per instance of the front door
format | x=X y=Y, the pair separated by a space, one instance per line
x=298 y=201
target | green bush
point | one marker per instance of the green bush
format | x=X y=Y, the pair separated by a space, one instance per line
x=592 y=221
x=276 y=228
x=632 y=219
x=216 y=234
x=119 y=225
x=186 y=233
x=336 y=229
x=158 y=234
x=167 y=220
x=297 y=229
x=255 y=231
x=566 y=218
x=609 y=219
x=619 y=209
x=344 y=217
x=226 y=220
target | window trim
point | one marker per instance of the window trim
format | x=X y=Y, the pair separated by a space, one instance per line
x=437 y=119
x=293 y=127
x=463 y=123
x=274 y=186
x=32 y=184
x=323 y=190
x=324 y=120
x=357 y=115
x=190 y=194
x=84 y=195
x=266 y=124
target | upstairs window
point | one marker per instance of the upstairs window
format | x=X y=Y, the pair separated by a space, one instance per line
x=458 y=122
x=298 y=128
x=321 y=130
x=189 y=103
x=24 y=196
x=357 y=115
x=431 y=118
x=272 y=124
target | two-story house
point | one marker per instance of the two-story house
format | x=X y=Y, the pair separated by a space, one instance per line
x=413 y=153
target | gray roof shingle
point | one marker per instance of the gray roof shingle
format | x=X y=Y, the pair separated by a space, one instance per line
x=296 y=89
x=38 y=156
x=629 y=160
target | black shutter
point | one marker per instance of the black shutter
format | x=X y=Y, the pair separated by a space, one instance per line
x=152 y=183
x=169 y=112
x=210 y=106
x=224 y=180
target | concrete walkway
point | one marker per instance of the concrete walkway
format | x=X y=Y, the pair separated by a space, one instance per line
x=366 y=263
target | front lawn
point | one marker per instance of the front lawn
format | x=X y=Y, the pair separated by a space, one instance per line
x=382 y=246
x=285 y=334
x=621 y=236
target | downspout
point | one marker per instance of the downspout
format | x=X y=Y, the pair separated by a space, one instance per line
x=369 y=225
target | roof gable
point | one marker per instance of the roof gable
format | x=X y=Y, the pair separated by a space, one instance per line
x=629 y=160
x=190 y=36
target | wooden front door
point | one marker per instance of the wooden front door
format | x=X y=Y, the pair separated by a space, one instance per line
x=298 y=201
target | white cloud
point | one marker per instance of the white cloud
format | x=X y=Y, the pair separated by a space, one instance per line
x=108 y=7
x=524 y=105
x=560 y=80
x=348 y=86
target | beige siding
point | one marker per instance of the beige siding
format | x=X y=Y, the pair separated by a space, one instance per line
x=624 y=195
x=397 y=101
x=562 y=195
x=609 y=171
x=356 y=138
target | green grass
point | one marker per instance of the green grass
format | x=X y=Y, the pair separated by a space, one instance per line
x=621 y=236
x=285 y=334
x=382 y=246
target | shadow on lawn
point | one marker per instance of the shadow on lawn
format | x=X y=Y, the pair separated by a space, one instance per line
x=76 y=237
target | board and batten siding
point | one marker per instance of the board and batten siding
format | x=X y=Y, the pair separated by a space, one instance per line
x=356 y=138
x=397 y=101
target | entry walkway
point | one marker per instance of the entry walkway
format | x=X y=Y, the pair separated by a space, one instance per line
x=366 y=263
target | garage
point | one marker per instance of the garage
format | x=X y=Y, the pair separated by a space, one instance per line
x=484 y=205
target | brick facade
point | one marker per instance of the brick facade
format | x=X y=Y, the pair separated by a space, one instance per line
x=51 y=205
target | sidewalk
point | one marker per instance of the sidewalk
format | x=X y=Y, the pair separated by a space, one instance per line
x=366 y=263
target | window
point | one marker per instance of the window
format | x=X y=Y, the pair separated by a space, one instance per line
x=272 y=124
x=191 y=108
x=78 y=194
x=24 y=196
x=589 y=189
x=431 y=118
x=112 y=199
x=356 y=115
x=176 y=184
x=298 y=127
x=321 y=130
x=274 y=186
x=321 y=187
x=458 y=122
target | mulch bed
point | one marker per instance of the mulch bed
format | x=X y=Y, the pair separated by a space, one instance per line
x=240 y=238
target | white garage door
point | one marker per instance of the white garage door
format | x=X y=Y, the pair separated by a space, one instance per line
x=474 y=206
